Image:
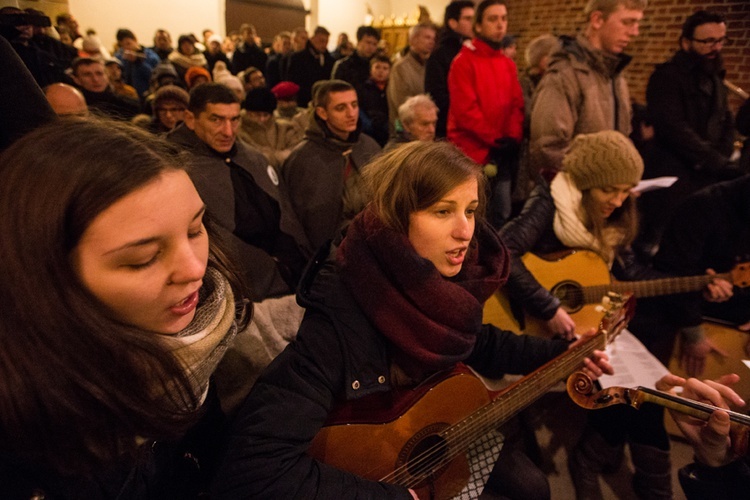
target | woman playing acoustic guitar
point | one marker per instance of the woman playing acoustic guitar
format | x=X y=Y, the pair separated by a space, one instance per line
x=590 y=205
x=396 y=301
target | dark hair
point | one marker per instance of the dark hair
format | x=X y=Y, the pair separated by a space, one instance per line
x=260 y=99
x=185 y=38
x=380 y=58
x=83 y=61
x=248 y=73
x=170 y=93
x=79 y=387
x=699 y=18
x=453 y=10
x=508 y=41
x=483 y=6
x=63 y=18
x=210 y=93
x=415 y=176
x=320 y=30
x=124 y=33
x=364 y=31
x=322 y=90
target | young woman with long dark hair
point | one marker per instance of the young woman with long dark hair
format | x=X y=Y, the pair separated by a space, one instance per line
x=118 y=305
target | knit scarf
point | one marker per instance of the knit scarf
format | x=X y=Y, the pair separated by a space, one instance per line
x=202 y=344
x=431 y=321
x=569 y=216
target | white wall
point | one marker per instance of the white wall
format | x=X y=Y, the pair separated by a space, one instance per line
x=346 y=16
x=338 y=16
x=410 y=7
x=144 y=17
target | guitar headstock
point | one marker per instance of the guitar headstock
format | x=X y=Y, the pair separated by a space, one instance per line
x=619 y=309
x=741 y=275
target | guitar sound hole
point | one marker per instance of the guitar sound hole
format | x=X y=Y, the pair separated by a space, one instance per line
x=570 y=295
x=426 y=456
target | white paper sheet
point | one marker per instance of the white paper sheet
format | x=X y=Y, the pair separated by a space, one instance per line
x=655 y=183
x=634 y=365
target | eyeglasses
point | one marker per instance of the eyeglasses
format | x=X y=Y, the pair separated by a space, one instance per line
x=713 y=42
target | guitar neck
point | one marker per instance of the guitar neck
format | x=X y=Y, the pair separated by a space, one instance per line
x=521 y=394
x=652 y=288
x=693 y=408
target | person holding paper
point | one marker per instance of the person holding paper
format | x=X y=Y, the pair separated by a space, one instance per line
x=590 y=205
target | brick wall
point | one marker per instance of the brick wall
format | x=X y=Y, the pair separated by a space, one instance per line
x=659 y=32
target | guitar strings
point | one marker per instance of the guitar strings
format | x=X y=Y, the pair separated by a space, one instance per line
x=591 y=294
x=484 y=420
x=458 y=437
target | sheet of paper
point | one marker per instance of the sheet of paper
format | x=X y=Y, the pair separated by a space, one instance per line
x=655 y=183
x=634 y=365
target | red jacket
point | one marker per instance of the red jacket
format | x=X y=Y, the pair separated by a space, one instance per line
x=486 y=101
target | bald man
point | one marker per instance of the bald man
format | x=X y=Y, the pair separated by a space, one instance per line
x=66 y=100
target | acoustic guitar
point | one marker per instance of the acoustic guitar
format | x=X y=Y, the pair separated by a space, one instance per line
x=580 y=278
x=418 y=438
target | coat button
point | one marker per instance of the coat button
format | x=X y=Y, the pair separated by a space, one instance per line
x=355 y=385
x=381 y=379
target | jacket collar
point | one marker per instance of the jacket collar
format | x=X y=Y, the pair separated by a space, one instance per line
x=581 y=51
x=185 y=137
x=318 y=132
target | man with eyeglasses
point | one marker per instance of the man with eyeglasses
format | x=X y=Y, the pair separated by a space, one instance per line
x=693 y=126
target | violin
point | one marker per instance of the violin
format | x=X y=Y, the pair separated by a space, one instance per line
x=581 y=390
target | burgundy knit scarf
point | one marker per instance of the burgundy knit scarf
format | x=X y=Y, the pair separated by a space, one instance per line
x=431 y=321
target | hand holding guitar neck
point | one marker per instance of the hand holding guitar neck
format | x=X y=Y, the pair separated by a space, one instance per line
x=718 y=290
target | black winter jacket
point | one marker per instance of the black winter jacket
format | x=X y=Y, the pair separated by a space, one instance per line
x=532 y=231
x=164 y=471
x=304 y=68
x=436 y=75
x=709 y=230
x=730 y=482
x=338 y=355
x=250 y=212
x=353 y=69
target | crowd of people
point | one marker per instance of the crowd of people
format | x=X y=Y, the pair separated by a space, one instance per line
x=212 y=249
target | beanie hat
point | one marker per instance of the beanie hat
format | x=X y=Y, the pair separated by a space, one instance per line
x=220 y=70
x=603 y=159
x=260 y=99
x=170 y=93
x=91 y=43
x=195 y=71
x=286 y=91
